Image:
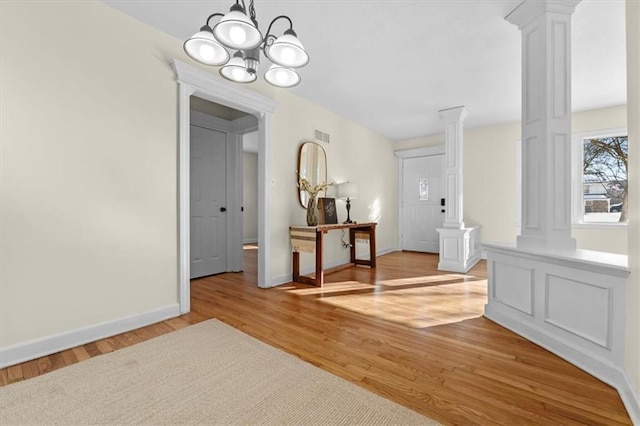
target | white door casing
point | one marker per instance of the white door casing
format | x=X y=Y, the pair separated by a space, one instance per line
x=197 y=82
x=208 y=227
x=422 y=190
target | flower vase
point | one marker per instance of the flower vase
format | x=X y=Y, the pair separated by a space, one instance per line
x=312 y=212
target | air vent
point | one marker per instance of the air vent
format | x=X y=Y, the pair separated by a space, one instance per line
x=321 y=136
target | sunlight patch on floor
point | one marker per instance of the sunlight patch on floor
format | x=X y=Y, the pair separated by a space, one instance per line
x=416 y=307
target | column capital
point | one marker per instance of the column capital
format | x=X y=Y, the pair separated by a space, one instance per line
x=529 y=10
x=454 y=114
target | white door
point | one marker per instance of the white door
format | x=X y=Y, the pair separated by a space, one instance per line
x=423 y=188
x=208 y=202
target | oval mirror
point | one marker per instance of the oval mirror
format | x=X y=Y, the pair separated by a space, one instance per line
x=312 y=165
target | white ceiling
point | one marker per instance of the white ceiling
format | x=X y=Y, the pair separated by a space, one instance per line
x=391 y=65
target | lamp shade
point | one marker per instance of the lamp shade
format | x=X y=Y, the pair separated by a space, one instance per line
x=347 y=190
x=287 y=51
x=236 y=71
x=204 y=48
x=236 y=31
x=282 y=77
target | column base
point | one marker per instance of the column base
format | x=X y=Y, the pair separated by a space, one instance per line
x=459 y=248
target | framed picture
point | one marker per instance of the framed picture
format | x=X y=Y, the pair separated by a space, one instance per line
x=327 y=213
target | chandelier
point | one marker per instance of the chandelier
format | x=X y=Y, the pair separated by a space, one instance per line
x=239 y=32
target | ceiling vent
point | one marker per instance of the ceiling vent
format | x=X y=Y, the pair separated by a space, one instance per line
x=321 y=136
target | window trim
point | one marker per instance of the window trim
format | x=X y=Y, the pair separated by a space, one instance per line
x=577 y=201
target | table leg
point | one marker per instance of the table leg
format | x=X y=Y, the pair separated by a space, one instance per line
x=352 y=241
x=296 y=266
x=372 y=246
x=319 y=270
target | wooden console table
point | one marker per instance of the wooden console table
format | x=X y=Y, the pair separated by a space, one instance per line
x=309 y=239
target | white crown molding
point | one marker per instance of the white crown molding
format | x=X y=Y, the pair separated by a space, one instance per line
x=527 y=11
x=424 y=151
x=454 y=114
x=226 y=93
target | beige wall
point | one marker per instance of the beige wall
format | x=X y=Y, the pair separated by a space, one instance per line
x=632 y=360
x=490 y=186
x=89 y=169
x=354 y=152
x=250 y=197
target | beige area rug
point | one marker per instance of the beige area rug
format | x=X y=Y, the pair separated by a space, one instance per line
x=209 y=373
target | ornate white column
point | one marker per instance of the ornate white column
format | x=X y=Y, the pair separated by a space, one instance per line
x=546 y=123
x=569 y=301
x=453 y=132
x=459 y=245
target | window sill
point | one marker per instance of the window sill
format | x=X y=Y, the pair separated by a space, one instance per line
x=599 y=225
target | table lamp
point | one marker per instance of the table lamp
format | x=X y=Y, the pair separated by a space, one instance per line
x=347 y=191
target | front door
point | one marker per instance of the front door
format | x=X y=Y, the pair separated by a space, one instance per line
x=208 y=202
x=423 y=188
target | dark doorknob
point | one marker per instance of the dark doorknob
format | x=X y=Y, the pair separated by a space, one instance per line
x=223 y=209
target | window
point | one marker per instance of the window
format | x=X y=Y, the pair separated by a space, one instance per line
x=600 y=177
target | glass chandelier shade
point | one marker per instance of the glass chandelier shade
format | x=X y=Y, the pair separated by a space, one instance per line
x=237 y=31
x=204 y=48
x=287 y=51
x=282 y=76
x=235 y=70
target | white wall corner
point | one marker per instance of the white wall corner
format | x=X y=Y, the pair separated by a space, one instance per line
x=630 y=397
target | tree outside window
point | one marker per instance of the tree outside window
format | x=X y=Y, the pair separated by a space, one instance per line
x=605 y=179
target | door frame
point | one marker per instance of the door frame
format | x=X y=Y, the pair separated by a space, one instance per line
x=401 y=156
x=197 y=82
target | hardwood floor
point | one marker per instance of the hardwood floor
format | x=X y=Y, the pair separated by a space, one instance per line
x=404 y=331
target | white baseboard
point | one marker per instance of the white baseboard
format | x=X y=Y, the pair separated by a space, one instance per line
x=22 y=352
x=386 y=251
x=597 y=367
x=459 y=267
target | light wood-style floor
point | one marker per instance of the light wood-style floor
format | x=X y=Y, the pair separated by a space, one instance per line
x=404 y=331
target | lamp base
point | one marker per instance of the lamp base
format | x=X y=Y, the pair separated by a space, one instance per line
x=348 y=212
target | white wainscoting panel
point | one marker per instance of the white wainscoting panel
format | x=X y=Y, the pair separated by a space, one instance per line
x=451 y=249
x=579 y=307
x=571 y=302
x=513 y=286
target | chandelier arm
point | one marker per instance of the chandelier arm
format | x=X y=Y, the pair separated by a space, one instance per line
x=213 y=16
x=268 y=41
x=268 y=33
